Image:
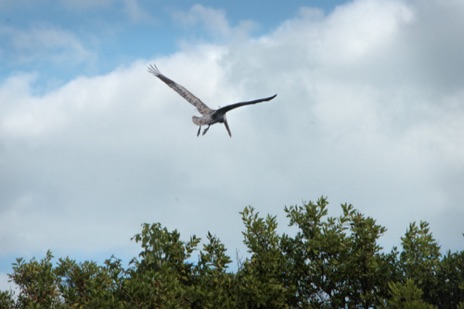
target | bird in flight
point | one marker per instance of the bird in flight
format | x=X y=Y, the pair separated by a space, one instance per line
x=208 y=116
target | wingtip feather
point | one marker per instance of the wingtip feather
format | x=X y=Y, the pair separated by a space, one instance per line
x=153 y=69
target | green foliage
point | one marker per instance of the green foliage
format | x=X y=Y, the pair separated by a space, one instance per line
x=406 y=296
x=7 y=299
x=165 y=276
x=336 y=261
x=37 y=282
x=261 y=279
x=450 y=278
x=213 y=285
x=85 y=284
x=328 y=262
x=420 y=259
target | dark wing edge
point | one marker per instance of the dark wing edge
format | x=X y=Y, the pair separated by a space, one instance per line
x=227 y=108
x=182 y=91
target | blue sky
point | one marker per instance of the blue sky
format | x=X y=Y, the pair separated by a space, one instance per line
x=72 y=38
x=369 y=111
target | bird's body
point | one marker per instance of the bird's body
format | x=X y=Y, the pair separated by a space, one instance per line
x=209 y=116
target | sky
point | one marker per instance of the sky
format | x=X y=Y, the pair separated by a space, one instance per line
x=369 y=111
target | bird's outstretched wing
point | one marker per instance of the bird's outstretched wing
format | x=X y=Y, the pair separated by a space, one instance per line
x=201 y=107
x=227 y=108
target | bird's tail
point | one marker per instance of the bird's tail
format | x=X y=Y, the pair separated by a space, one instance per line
x=197 y=120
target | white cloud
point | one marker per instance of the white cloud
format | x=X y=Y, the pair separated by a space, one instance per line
x=362 y=29
x=87 y=4
x=135 y=12
x=214 y=22
x=357 y=118
x=38 y=42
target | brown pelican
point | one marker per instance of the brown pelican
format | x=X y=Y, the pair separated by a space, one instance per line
x=209 y=116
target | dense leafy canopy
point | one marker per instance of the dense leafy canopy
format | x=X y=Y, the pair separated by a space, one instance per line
x=329 y=262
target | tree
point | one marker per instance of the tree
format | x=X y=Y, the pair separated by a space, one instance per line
x=420 y=259
x=7 y=299
x=367 y=270
x=87 y=284
x=450 y=277
x=162 y=275
x=37 y=283
x=328 y=262
x=336 y=261
x=407 y=296
x=214 y=286
x=262 y=281
x=315 y=255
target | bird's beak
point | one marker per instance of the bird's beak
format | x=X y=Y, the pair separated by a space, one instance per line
x=227 y=127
